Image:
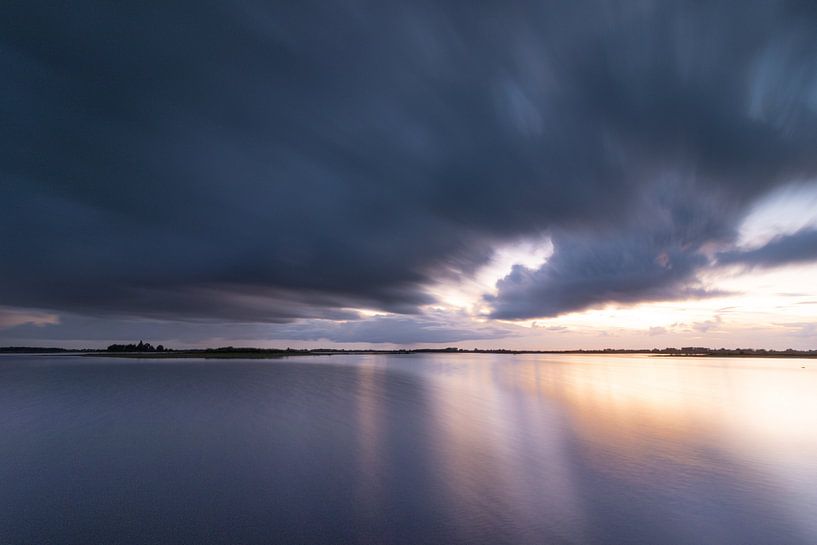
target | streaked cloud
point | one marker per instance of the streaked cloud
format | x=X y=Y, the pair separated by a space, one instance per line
x=11 y=317
x=345 y=170
x=798 y=247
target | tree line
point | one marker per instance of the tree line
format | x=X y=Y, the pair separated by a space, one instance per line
x=141 y=347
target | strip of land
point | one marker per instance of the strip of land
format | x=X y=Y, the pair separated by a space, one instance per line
x=145 y=350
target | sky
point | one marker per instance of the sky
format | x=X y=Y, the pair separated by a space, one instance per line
x=514 y=174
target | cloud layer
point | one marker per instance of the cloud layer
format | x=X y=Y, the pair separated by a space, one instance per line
x=25 y=329
x=798 y=247
x=271 y=162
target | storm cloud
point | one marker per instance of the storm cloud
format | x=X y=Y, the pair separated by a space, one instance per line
x=798 y=247
x=26 y=328
x=280 y=162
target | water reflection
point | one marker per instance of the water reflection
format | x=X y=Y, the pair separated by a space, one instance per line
x=409 y=449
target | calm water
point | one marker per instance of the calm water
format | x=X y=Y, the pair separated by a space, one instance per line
x=408 y=449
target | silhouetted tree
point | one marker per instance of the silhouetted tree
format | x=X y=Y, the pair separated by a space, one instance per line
x=141 y=347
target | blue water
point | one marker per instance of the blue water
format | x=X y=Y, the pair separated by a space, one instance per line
x=408 y=449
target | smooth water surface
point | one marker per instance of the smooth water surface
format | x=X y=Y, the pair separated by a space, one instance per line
x=438 y=448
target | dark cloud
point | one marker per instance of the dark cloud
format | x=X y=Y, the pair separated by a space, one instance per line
x=23 y=327
x=617 y=267
x=798 y=247
x=653 y=255
x=404 y=330
x=273 y=162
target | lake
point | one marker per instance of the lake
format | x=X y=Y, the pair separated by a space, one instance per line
x=409 y=449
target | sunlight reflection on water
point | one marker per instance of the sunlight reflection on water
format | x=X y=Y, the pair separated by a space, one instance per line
x=409 y=449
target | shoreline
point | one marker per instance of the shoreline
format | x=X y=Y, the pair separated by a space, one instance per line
x=272 y=353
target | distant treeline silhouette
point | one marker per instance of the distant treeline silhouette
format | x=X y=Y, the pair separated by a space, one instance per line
x=141 y=347
x=231 y=351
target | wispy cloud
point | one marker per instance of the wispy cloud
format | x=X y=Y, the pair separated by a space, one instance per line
x=12 y=317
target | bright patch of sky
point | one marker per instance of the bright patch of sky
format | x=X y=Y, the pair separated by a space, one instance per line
x=753 y=310
x=466 y=293
x=783 y=212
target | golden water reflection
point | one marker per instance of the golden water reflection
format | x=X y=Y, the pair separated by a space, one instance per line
x=522 y=427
